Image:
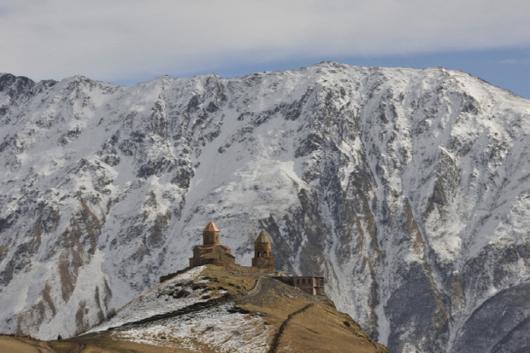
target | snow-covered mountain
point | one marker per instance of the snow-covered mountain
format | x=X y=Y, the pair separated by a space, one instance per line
x=408 y=189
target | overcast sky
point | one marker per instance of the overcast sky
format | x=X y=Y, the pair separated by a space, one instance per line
x=131 y=40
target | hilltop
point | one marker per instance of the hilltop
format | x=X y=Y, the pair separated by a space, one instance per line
x=211 y=309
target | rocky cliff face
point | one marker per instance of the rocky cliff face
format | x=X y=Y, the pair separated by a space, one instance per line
x=408 y=189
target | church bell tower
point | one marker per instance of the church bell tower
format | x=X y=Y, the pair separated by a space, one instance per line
x=210 y=235
x=263 y=258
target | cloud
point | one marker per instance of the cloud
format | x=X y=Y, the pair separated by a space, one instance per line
x=518 y=61
x=121 y=39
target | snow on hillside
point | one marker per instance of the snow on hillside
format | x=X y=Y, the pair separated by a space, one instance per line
x=177 y=293
x=408 y=189
x=221 y=328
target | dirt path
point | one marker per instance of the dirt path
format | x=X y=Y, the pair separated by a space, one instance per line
x=255 y=290
x=278 y=335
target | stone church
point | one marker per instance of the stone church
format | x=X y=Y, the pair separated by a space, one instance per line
x=213 y=252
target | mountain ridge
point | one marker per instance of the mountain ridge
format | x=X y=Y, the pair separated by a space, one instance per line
x=221 y=77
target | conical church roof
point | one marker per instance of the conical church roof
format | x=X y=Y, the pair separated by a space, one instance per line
x=264 y=237
x=211 y=227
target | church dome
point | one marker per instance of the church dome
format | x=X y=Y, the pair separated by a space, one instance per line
x=263 y=258
x=263 y=238
x=211 y=227
x=210 y=235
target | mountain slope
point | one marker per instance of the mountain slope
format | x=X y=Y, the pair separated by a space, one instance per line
x=409 y=189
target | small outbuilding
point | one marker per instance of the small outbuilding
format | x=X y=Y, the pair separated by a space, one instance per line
x=313 y=285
